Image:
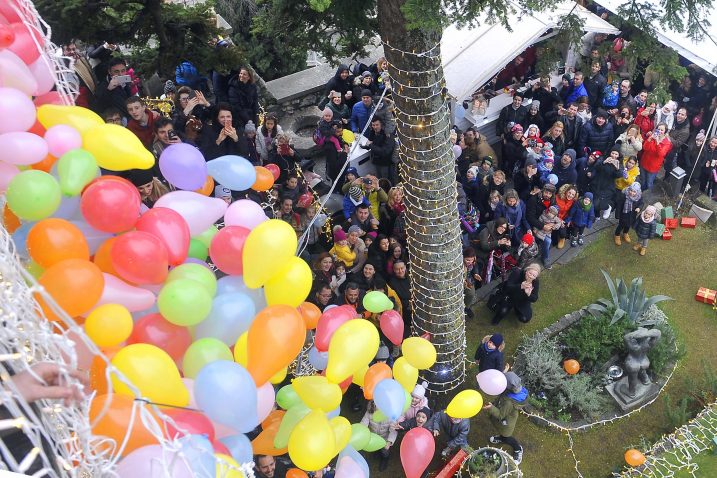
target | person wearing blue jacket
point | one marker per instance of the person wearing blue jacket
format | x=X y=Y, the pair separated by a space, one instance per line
x=513 y=209
x=361 y=111
x=352 y=200
x=565 y=170
x=581 y=216
x=577 y=88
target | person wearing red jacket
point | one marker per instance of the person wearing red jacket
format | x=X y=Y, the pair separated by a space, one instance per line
x=645 y=119
x=654 y=150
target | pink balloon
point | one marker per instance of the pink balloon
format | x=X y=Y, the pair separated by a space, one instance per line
x=9 y=12
x=41 y=69
x=170 y=228
x=417 y=449
x=347 y=468
x=51 y=98
x=492 y=382
x=265 y=397
x=28 y=42
x=14 y=73
x=391 y=324
x=244 y=213
x=62 y=138
x=150 y=461
x=22 y=148
x=117 y=291
x=7 y=172
x=17 y=113
x=227 y=248
x=198 y=210
x=329 y=321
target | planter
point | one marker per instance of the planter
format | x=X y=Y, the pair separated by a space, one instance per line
x=485 y=463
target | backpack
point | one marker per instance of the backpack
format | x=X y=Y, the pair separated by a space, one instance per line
x=359 y=68
x=318 y=138
x=186 y=74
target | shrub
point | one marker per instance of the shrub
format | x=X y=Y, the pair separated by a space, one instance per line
x=592 y=341
x=581 y=393
x=665 y=350
x=539 y=363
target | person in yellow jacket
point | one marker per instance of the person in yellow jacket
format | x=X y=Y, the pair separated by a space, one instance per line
x=630 y=173
x=341 y=250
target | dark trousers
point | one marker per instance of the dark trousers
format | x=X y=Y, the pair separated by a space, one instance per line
x=623 y=225
x=576 y=230
x=524 y=316
x=511 y=441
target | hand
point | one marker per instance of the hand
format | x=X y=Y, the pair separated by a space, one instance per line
x=232 y=133
x=47 y=382
x=190 y=106
x=222 y=136
x=436 y=433
x=478 y=277
x=114 y=83
x=291 y=152
x=388 y=445
x=547 y=228
x=175 y=140
x=645 y=113
x=397 y=427
x=487 y=406
x=201 y=98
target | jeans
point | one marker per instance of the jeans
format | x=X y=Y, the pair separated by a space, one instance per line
x=545 y=247
x=383 y=171
x=647 y=178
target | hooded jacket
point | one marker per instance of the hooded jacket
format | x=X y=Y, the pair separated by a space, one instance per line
x=515 y=216
x=337 y=84
x=489 y=238
x=596 y=137
x=579 y=216
x=586 y=173
x=629 y=148
x=244 y=100
x=456 y=433
x=566 y=174
x=629 y=176
x=504 y=413
x=603 y=184
x=654 y=153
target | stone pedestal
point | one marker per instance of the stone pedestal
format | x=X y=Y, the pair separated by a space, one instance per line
x=643 y=394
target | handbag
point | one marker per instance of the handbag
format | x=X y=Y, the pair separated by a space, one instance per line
x=497 y=298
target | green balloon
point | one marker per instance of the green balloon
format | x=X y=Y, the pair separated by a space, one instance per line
x=198 y=250
x=377 y=302
x=207 y=236
x=33 y=195
x=375 y=443
x=287 y=397
x=378 y=416
x=407 y=403
x=195 y=272
x=360 y=436
x=288 y=422
x=184 y=302
x=202 y=352
x=76 y=168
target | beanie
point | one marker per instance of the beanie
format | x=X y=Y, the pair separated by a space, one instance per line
x=549 y=187
x=356 y=229
x=339 y=235
x=419 y=391
x=355 y=194
x=531 y=162
x=554 y=210
x=382 y=353
x=514 y=382
x=249 y=127
x=169 y=87
x=473 y=170
x=528 y=239
x=139 y=177
x=571 y=153
x=497 y=339
x=366 y=93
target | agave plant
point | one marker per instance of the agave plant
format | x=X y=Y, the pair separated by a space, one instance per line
x=628 y=302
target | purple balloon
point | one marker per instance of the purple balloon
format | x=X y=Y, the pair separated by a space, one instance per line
x=149 y=462
x=244 y=213
x=183 y=166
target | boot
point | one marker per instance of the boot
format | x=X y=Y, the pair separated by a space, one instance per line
x=636 y=247
x=643 y=251
x=626 y=238
x=618 y=242
x=561 y=243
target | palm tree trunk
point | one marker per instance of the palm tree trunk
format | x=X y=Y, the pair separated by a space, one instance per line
x=428 y=169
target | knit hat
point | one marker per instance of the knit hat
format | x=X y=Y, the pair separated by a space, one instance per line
x=601 y=113
x=488 y=159
x=328 y=111
x=249 y=127
x=139 y=177
x=169 y=87
x=535 y=104
x=571 y=153
x=382 y=353
x=373 y=234
x=419 y=391
x=549 y=187
x=528 y=239
x=426 y=411
x=222 y=192
x=516 y=127
x=553 y=210
x=473 y=170
x=514 y=382
x=531 y=162
x=548 y=156
x=547 y=146
x=650 y=209
x=356 y=229
x=339 y=235
x=597 y=154
x=567 y=77
x=497 y=339
x=365 y=74
x=351 y=170
x=366 y=92
x=700 y=136
x=356 y=195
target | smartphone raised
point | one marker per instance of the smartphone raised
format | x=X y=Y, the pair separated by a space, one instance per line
x=123 y=79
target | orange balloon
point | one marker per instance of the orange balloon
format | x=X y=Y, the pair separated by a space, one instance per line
x=263 y=444
x=37 y=129
x=264 y=179
x=53 y=240
x=115 y=421
x=276 y=337
x=634 y=457
x=296 y=473
x=208 y=188
x=375 y=374
x=571 y=366
x=310 y=313
x=273 y=420
x=46 y=164
x=75 y=284
x=98 y=370
x=102 y=257
x=10 y=220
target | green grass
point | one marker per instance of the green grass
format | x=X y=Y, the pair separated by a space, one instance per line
x=707 y=463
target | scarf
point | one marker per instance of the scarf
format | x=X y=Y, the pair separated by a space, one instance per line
x=488 y=350
x=84 y=71
x=586 y=207
x=648 y=209
x=629 y=201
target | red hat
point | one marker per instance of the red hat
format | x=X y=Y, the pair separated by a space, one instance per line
x=528 y=239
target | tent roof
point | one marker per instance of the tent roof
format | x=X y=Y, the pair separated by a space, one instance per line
x=472 y=56
x=703 y=53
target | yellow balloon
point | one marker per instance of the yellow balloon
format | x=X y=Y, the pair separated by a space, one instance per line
x=359 y=375
x=317 y=392
x=353 y=345
x=117 y=148
x=279 y=376
x=267 y=250
x=405 y=374
x=109 y=325
x=419 y=352
x=78 y=117
x=465 y=404
x=226 y=467
x=152 y=371
x=312 y=444
x=342 y=432
x=290 y=285
x=240 y=350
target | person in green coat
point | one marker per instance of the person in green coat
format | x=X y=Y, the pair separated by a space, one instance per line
x=504 y=414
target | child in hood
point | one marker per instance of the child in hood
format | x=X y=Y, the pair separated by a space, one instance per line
x=545 y=168
x=354 y=198
x=645 y=227
x=629 y=205
x=611 y=95
x=581 y=216
x=489 y=354
x=528 y=251
x=533 y=132
x=325 y=130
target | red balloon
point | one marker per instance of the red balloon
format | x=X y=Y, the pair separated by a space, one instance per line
x=329 y=321
x=189 y=422
x=220 y=447
x=227 y=247
x=417 y=449
x=50 y=98
x=274 y=170
x=156 y=330
x=111 y=204
x=25 y=44
x=140 y=257
x=391 y=324
x=170 y=228
x=7 y=36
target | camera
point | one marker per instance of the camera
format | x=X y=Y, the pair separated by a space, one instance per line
x=171 y=134
x=367 y=181
x=623 y=115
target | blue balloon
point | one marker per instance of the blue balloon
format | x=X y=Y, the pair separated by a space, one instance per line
x=233 y=172
x=199 y=453
x=183 y=166
x=229 y=284
x=240 y=447
x=226 y=393
x=19 y=237
x=357 y=458
x=231 y=316
x=334 y=413
x=389 y=397
x=93 y=236
x=69 y=208
x=318 y=360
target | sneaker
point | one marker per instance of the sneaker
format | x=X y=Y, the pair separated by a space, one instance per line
x=518 y=456
x=573 y=242
x=495 y=439
x=607 y=212
x=581 y=241
x=547 y=266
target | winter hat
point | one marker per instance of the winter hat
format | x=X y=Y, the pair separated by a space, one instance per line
x=516 y=127
x=366 y=92
x=651 y=209
x=474 y=170
x=365 y=74
x=700 y=136
x=373 y=234
x=528 y=239
x=531 y=162
x=339 y=235
x=547 y=146
x=419 y=391
x=426 y=411
x=571 y=153
x=356 y=229
x=597 y=154
x=169 y=87
x=382 y=353
x=671 y=105
x=351 y=170
x=222 y=192
x=356 y=195
x=139 y=177
x=488 y=159
x=601 y=113
x=548 y=156
x=249 y=127
x=634 y=187
x=549 y=187
x=567 y=77
x=553 y=210
x=514 y=382
x=497 y=339
x=532 y=126
x=328 y=111
x=535 y=104
x=553 y=179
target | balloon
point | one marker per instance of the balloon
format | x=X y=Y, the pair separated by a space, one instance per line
x=184 y=302
x=274 y=170
x=10 y=221
x=61 y=139
x=291 y=418
x=317 y=359
x=236 y=284
x=265 y=397
x=245 y=213
x=310 y=313
x=279 y=376
x=28 y=42
x=391 y=324
x=44 y=72
x=571 y=366
x=359 y=375
x=353 y=345
x=198 y=452
x=342 y=431
x=466 y=404
x=116 y=148
x=202 y=352
x=264 y=179
x=140 y=257
x=419 y=352
x=351 y=464
x=69 y=208
x=376 y=302
x=267 y=249
x=264 y=443
x=155 y=330
x=375 y=373
x=82 y=119
x=19 y=237
x=634 y=457
x=14 y=73
x=170 y=228
x=316 y=392
x=75 y=284
x=287 y=397
x=197 y=250
x=329 y=321
x=296 y=473
x=226 y=249
x=275 y=339
x=312 y=443
x=290 y=285
x=240 y=349
x=53 y=240
x=199 y=211
x=405 y=374
x=93 y=236
x=231 y=316
x=196 y=273
x=492 y=382
x=207 y=188
x=111 y=204
x=149 y=462
x=22 y=148
x=116 y=291
x=183 y=166
x=206 y=236
x=233 y=172
x=227 y=467
x=188 y=422
x=49 y=98
x=375 y=443
x=110 y=417
x=389 y=397
x=17 y=112
x=227 y=394
x=240 y=447
x=7 y=172
x=360 y=436
x=47 y=165
x=109 y=325
x=417 y=450
x=33 y=195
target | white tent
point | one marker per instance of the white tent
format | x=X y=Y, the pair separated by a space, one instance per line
x=472 y=56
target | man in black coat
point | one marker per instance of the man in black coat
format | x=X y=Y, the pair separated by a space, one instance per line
x=597 y=134
x=572 y=125
x=595 y=84
x=514 y=113
x=381 y=147
x=114 y=90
